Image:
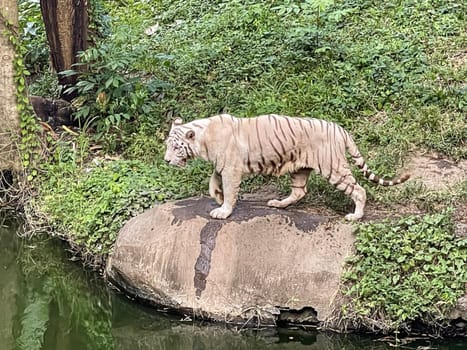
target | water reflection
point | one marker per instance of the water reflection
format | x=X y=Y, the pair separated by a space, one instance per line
x=143 y=330
x=48 y=303
x=9 y=285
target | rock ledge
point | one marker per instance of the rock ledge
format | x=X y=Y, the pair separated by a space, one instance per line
x=262 y=265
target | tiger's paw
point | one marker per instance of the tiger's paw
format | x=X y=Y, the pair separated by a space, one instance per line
x=220 y=213
x=276 y=203
x=353 y=217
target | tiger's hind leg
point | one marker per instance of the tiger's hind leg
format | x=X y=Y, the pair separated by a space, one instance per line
x=298 y=184
x=347 y=183
x=215 y=187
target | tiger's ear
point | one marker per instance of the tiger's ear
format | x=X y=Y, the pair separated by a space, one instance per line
x=190 y=134
x=176 y=122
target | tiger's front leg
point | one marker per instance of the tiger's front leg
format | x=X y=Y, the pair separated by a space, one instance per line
x=215 y=188
x=231 y=183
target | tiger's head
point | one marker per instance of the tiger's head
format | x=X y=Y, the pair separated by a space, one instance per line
x=179 y=144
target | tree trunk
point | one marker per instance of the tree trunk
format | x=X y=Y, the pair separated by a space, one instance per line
x=66 y=25
x=9 y=120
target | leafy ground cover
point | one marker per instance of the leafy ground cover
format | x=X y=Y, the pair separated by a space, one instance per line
x=392 y=73
x=427 y=276
x=88 y=205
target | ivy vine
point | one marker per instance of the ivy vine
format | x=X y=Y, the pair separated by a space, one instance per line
x=29 y=143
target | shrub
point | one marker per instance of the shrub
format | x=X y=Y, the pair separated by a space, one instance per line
x=89 y=206
x=112 y=93
x=412 y=269
x=33 y=36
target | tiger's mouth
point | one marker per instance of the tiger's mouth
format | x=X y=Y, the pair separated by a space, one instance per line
x=181 y=163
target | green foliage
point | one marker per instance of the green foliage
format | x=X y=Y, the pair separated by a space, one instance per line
x=45 y=84
x=412 y=269
x=311 y=10
x=33 y=37
x=113 y=94
x=90 y=206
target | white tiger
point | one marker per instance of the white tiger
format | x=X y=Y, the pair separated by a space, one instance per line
x=270 y=144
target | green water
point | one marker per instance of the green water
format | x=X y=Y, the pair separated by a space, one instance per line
x=49 y=302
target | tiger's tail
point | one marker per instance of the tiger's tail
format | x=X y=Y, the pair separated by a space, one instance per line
x=360 y=162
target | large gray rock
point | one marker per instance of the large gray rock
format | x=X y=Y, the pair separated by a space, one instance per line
x=261 y=265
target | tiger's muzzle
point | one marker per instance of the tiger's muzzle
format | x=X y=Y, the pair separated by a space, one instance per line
x=181 y=163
